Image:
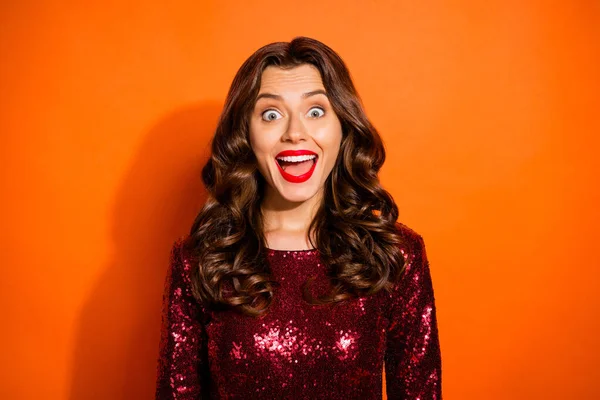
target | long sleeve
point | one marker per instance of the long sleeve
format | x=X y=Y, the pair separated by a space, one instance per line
x=181 y=360
x=412 y=359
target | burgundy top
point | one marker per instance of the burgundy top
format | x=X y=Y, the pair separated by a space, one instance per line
x=300 y=351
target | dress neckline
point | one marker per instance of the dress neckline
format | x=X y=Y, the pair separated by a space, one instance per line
x=295 y=251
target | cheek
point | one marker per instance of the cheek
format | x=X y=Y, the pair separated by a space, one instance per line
x=253 y=136
x=329 y=138
x=258 y=141
x=262 y=144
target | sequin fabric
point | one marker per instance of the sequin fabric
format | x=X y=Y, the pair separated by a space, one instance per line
x=300 y=351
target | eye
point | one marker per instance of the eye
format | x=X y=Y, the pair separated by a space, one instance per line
x=316 y=112
x=270 y=115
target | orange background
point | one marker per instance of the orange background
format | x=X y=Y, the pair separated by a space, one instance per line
x=489 y=111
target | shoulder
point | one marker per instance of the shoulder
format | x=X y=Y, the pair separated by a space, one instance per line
x=182 y=251
x=415 y=278
x=413 y=245
x=180 y=276
x=407 y=232
x=179 y=263
x=415 y=271
x=176 y=257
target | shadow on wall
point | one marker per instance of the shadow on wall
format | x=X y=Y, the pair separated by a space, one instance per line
x=119 y=328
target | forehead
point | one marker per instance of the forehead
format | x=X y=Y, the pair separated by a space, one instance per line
x=303 y=77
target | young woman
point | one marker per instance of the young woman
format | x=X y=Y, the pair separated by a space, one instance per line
x=297 y=281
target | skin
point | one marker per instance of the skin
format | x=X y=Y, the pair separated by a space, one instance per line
x=293 y=122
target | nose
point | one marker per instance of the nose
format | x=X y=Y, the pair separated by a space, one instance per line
x=296 y=131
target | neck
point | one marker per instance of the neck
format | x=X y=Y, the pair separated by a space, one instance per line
x=286 y=223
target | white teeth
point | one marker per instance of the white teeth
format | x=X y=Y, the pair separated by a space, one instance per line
x=297 y=158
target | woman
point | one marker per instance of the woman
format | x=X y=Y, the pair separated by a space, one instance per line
x=296 y=280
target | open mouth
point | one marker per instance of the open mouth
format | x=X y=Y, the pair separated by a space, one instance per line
x=297 y=165
x=297 y=169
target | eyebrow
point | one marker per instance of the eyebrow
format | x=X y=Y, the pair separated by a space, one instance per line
x=278 y=97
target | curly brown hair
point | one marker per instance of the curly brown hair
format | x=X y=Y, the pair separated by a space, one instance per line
x=354 y=229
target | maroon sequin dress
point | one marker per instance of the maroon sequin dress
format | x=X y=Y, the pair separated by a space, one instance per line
x=299 y=351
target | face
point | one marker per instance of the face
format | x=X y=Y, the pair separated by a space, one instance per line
x=294 y=132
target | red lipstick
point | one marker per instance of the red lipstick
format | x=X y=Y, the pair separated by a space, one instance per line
x=297 y=178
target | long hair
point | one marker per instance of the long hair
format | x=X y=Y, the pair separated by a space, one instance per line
x=355 y=229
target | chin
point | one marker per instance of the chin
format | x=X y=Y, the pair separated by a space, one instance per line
x=298 y=194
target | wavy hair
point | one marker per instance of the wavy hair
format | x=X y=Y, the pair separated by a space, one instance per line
x=354 y=229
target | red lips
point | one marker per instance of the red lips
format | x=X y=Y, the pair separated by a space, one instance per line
x=286 y=153
x=299 y=178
